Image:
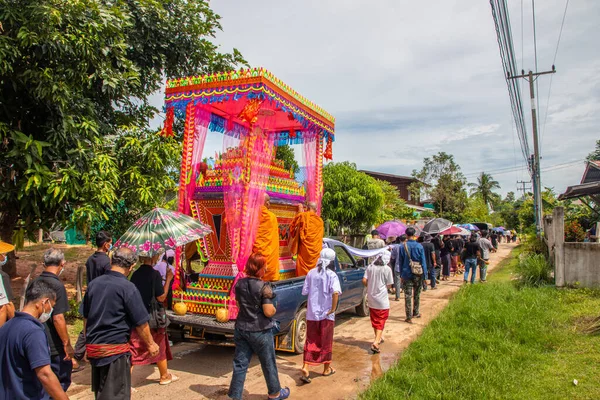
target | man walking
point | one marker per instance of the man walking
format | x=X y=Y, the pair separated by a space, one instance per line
x=61 y=351
x=486 y=249
x=403 y=257
x=471 y=254
x=25 y=371
x=112 y=307
x=378 y=278
x=429 y=249
x=96 y=265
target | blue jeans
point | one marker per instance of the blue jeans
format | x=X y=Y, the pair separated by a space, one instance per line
x=62 y=369
x=470 y=264
x=249 y=343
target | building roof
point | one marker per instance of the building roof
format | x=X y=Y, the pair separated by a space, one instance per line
x=586 y=189
x=385 y=176
x=592 y=172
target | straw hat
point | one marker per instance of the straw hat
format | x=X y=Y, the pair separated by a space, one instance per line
x=6 y=247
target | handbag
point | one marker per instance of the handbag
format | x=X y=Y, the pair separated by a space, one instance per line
x=415 y=267
x=158 y=314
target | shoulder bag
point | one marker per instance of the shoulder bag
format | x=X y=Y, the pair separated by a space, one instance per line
x=158 y=314
x=415 y=267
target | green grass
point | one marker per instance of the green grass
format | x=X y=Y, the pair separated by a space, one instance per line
x=501 y=341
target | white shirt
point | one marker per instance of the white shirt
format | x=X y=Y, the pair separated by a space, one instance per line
x=378 y=278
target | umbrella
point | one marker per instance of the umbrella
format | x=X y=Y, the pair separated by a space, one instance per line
x=391 y=228
x=453 y=230
x=437 y=225
x=470 y=227
x=464 y=232
x=161 y=229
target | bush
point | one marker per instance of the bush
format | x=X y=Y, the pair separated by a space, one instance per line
x=534 y=245
x=534 y=270
x=574 y=232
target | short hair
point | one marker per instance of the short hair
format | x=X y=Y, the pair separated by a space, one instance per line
x=255 y=263
x=38 y=289
x=374 y=232
x=123 y=258
x=102 y=237
x=473 y=237
x=311 y=205
x=53 y=257
x=484 y=234
x=410 y=231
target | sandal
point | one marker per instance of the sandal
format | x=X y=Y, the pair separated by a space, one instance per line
x=305 y=379
x=331 y=372
x=408 y=320
x=375 y=349
x=284 y=393
x=172 y=378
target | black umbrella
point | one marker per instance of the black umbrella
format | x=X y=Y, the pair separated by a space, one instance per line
x=437 y=225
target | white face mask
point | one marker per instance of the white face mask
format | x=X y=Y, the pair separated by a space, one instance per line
x=4 y=261
x=45 y=315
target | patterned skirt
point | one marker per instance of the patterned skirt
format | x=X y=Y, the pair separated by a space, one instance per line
x=139 y=351
x=319 y=342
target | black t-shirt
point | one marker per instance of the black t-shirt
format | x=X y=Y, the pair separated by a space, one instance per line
x=447 y=249
x=429 y=251
x=471 y=249
x=143 y=279
x=113 y=307
x=61 y=307
x=97 y=265
x=249 y=297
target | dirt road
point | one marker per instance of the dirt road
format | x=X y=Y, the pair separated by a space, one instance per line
x=205 y=371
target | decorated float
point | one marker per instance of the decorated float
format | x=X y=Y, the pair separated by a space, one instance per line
x=255 y=112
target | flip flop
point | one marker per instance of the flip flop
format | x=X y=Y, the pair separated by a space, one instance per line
x=284 y=393
x=173 y=378
x=331 y=372
x=305 y=379
x=375 y=350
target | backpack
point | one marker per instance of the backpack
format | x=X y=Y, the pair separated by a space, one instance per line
x=415 y=267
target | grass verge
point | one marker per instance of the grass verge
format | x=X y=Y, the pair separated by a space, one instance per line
x=500 y=341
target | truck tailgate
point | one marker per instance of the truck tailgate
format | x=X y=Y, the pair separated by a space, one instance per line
x=202 y=321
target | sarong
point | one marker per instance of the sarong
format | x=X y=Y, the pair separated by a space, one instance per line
x=319 y=342
x=454 y=263
x=379 y=317
x=113 y=381
x=139 y=351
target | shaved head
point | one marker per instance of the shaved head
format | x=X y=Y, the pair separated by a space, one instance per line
x=312 y=206
x=267 y=200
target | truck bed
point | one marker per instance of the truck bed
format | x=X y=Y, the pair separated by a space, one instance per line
x=206 y=321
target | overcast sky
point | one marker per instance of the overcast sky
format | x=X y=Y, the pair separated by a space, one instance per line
x=406 y=79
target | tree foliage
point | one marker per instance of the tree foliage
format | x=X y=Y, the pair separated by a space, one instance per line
x=352 y=200
x=75 y=81
x=286 y=154
x=484 y=188
x=442 y=181
x=595 y=155
x=394 y=207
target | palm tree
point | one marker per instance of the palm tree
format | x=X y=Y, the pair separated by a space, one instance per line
x=484 y=187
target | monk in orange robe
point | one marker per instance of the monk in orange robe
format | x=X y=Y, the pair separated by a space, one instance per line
x=307 y=232
x=267 y=241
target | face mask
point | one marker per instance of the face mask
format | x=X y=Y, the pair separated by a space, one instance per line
x=4 y=261
x=110 y=247
x=45 y=315
x=61 y=271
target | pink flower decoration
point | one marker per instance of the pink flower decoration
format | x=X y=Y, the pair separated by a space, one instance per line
x=118 y=243
x=171 y=242
x=139 y=222
x=156 y=221
x=146 y=246
x=166 y=217
x=156 y=246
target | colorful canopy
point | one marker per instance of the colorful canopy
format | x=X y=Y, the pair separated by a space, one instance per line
x=160 y=230
x=391 y=228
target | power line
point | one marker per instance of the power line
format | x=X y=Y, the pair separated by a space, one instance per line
x=506 y=170
x=537 y=87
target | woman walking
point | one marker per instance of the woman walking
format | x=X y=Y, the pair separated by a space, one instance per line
x=149 y=283
x=322 y=287
x=254 y=330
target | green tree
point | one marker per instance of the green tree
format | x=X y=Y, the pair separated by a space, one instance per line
x=286 y=154
x=352 y=200
x=595 y=155
x=74 y=74
x=394 y=207
x=484 y=187
x=475 y=211
x=442 y=180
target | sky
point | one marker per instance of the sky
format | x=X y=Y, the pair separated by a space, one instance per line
x=406 y=79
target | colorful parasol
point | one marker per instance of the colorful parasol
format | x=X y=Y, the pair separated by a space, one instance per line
x=391 y=228
x=161 y=230
x=437 y=225
x=463 y=231
x=470 y=227
x=453 y=230
x=6 y=247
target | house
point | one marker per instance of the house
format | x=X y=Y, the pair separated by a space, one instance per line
x=592 y=172
x=589 y=188
x=401 y=183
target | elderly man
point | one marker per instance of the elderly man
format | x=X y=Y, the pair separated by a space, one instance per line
x=307 y=230
x=267 y=240
x=61 y=351
x=24 y=355
x=112 y=307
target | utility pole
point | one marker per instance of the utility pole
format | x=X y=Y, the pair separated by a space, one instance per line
x=535 y=162
x=523 y=187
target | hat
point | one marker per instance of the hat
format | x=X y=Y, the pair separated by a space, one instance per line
x=385 y=257
x=170 y=253
x=6 y=247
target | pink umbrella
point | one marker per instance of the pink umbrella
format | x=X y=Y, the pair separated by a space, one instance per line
x=453 y=230
x=391 y=228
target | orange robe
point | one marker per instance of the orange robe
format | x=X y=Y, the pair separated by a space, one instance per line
x=308 y=228
x=267 y=243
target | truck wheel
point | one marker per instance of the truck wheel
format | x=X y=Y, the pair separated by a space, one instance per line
x=300 y=334
x=363 y=308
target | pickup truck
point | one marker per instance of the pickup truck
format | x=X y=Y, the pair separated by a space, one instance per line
x=290 y=304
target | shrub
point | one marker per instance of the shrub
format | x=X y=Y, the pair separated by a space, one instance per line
x=533 y=245
x=574 y=232
x=534 y=270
